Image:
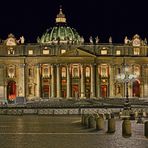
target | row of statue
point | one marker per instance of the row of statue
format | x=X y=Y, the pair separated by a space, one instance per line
x=97 y=40
x=126 y=40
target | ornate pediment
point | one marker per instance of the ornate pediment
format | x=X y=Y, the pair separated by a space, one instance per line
x=77 y=53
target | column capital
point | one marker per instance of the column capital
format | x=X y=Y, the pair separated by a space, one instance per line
x=22 y=65
x=93 y=64
x=58 y=65
x=2 y=66
x=68 y=65
x=38 y=65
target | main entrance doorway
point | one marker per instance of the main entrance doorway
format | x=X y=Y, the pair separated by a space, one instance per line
x=75 y=92
x=11 y=91
x=103 y=91
x=136 y=88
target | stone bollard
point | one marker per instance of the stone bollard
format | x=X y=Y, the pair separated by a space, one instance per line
x=126 y=128
x=146 y=129
x=91 y=122
x=99 y=123
x=86 y=120
x=111 y=125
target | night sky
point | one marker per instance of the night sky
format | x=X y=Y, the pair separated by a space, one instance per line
x=116 y=18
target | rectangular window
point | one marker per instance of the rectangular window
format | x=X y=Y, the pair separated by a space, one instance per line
x=30 y=52
x=10 y=51
x=103 y=52
x=63 y=51
x=45 y=51
x=118 y=52
x=136 y=51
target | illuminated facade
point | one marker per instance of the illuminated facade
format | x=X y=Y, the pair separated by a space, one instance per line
x=61 y=65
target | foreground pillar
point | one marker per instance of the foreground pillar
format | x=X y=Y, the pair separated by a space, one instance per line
x=111 y=125
x=99 y=123
x=146 y=129
x=126 y=128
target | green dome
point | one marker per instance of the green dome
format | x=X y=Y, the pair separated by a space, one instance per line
x=61 y=33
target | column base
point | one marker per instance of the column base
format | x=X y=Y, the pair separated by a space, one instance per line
x=92 y=97
x=69 y=98
x=82 y=97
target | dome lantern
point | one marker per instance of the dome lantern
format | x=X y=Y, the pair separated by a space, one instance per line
x=60 y=17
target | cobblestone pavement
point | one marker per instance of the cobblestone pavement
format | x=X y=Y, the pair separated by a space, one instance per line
x=64 y=132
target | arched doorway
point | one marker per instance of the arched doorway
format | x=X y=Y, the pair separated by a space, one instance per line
x=11 y=91
x=136 y=88
x=75 y=92
x=103 y=91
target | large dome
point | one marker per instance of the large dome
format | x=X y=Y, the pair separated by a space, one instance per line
x=61 y=33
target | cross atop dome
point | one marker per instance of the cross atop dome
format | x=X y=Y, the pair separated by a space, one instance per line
x=60 y=17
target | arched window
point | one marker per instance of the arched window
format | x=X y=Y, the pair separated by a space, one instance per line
x=63 y=72
x=46 y=70
x=87 y=73
x=104 y=70
x=75 y=72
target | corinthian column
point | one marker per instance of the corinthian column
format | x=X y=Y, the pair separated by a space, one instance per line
x=58 y=82
x=111 y=80
x=68 y=82
x=82 y=82
x=38 y=81
x=52 y=81
x=93 y=84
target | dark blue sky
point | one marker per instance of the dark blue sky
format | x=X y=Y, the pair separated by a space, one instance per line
x=116 y=18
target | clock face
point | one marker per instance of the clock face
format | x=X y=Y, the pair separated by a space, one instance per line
x=11 y=42
x=136 y=42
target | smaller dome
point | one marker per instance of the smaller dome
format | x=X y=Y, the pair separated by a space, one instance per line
x=61 y=33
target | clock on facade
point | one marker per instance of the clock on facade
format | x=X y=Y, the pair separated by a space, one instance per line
x=136 y=42
x=11 y=42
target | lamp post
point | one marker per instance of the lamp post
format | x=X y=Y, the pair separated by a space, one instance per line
x=126 y=77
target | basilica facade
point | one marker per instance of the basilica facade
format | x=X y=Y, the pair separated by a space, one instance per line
x=62 y=65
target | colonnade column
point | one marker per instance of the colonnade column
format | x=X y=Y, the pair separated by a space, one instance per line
x=68 y=82
x=82 y=82
x=93 y=84
x=52 y=81
x=58 y=82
